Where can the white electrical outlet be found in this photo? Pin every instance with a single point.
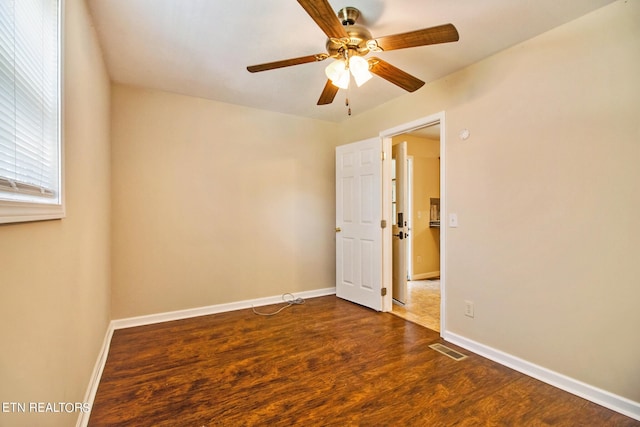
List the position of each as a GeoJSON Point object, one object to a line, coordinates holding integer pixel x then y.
{"type": "Point", "coordinates": [468, 308]}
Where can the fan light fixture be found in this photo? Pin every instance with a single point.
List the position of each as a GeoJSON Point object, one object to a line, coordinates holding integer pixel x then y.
{"type": "Point", "coordinates": [340, 71]}
{"type": "Point", "coordinates": [349, 43]}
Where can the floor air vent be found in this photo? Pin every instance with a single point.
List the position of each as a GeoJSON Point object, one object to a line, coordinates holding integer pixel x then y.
{"type": "Point", "coordinates": [448, 351]}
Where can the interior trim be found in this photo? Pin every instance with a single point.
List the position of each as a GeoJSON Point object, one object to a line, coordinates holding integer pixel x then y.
{"type": "Point", "coordinates": [83, 418]}
{"type": "Point", "coordinates": [212, 309]}
{"type": "Point", "coordinates": [586, 391]}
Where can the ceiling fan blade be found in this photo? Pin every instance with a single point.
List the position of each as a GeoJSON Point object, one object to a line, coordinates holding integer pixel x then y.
{"type": "Point", "coordinates": [324, 16]}
{"type": "Point", "coordinates": [328, 93]}
{"type": "Point", "coordinates": [394, 75]}
{"type": "Point", "coordinates": [287, 62]}
{"type": "Point", "coordinates": [434, 35]}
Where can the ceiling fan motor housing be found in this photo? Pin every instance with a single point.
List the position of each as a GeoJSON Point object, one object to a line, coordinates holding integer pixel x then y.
{"type": "Point", "coordinates": [356, 44]}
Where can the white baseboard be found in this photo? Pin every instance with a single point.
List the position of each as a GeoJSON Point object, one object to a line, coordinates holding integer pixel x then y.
{"type": "Point", "coordinates": [90, 395]}
{"type": "Point", "coordinates": [212, 309]}
{"type": "Point", "coordinates": [425, 276]}
{"type": "Point", "coordinates": [596, 395]}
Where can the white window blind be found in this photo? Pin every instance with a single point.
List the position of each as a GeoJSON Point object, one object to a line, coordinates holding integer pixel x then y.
{"type": "Point", "coordinates": [29, 102]}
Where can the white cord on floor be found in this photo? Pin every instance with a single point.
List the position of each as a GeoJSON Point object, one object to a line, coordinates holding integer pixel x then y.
{"type": "Point", "coordinates": [289, 302]}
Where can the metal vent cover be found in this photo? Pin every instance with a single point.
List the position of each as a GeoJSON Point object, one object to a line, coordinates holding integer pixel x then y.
{"type": "Point", "coordinates": [455, 355]}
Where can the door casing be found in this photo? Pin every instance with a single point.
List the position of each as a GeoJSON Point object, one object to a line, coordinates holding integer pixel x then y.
{"type": "Point", "coordinates": [387, 253]}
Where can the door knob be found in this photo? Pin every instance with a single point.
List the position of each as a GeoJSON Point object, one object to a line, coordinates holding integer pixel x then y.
{"type": "Point", "coordinates": [338, 229]}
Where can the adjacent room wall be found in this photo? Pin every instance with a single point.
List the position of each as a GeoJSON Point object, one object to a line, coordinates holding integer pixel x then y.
{"type": "Point", "coordinates": [426, 184]}
{"type": "Point", "coordinates": [55, 275]}
{"type": "Point", "coordinates": [546, 192]}
{"type": "Point", "coordinates": [216, 203]}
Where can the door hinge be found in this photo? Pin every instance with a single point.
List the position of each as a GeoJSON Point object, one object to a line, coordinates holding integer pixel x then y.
{"type": "Point", "coordinates": [383, 291]}
{"type": "Point", "coordinates": [383, 156]}
{"type": "Point", "coordinates": [383, 223]}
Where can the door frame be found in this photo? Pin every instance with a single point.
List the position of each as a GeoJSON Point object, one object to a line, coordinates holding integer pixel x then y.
{"type": "Point", "coordinates": [387, 254]}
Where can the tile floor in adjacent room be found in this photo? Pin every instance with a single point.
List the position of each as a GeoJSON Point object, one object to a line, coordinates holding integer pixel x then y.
{"type": "Point", "coordinates": [422, 305]}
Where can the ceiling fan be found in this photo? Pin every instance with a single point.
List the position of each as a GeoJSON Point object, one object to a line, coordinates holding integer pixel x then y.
{"type": "Point", "coordinates": [349, 43]}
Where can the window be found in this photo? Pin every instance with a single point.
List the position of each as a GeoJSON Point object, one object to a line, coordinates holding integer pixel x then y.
{"type": "Point", "coordinates": [30, 142]}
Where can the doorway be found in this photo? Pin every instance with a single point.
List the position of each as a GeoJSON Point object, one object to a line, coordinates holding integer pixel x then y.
{"type": "Point", "coordinates": [422, 299]}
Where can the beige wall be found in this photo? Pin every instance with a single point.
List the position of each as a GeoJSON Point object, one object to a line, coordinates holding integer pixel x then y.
{"type": "Point", "coordinates": [426, 184]}
{"type": "Point", "coordinates": [546, 192]}
{"type": "Point", "coordinates": [216, 203]}
{"type": "Point", "coordinates": [55, 275]}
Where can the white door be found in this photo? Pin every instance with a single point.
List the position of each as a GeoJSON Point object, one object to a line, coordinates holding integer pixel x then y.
{"type": "Point", "coordinates": [400, 223]}
{"type": "Point", "coordinates": [358, 222]}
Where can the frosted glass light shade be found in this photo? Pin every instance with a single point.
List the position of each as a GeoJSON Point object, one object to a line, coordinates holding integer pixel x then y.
{"type": "Point", "coordinates": [360, 69]}
{"type": "Point", "coordinates": [338, 74]}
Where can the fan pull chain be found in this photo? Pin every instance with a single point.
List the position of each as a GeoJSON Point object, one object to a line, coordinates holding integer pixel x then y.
{"type": "Point", "coordinates": [346, 101]}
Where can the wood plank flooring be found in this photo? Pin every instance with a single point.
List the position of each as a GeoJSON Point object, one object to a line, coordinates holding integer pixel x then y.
{"type": "Point", "coordinates": [327, 362]}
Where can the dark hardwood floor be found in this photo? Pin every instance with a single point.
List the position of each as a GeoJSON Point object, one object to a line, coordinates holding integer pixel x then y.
{"type": "Point", "coordinates": [323, 363]}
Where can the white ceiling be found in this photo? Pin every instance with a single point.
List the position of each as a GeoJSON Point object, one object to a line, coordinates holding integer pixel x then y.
{"type": "Point", "coordinates": [201, 48]}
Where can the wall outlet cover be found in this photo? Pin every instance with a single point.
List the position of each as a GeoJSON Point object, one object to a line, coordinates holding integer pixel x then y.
{"type": "Point", "coordinates": [468, 308]}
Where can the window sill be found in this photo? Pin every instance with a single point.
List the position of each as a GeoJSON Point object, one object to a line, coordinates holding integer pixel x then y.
{"type": "Point", "coordinates": [14, 212]}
